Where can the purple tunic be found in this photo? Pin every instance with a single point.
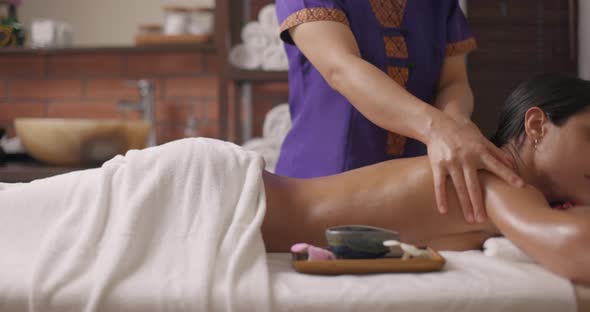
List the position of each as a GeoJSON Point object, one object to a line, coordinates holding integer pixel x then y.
{"type": "Point", "coordinates": [408, 40]}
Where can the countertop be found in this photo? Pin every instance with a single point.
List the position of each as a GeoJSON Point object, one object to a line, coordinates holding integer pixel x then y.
{"type": "Point", "coordinates": [201, 47]}
{"type": "Point", "coordinates": [27, 171]}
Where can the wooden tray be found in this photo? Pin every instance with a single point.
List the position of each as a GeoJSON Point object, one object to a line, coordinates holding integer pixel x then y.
{"type": "Point", "coordinates": [370, 266]}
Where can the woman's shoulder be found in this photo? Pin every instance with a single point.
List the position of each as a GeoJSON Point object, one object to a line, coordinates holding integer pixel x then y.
{"type": "Point", "coordinates": [501, 195]}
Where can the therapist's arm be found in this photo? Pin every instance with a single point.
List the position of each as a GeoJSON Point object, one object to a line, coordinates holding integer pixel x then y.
{"type": "Point", "coordinates": [455, 149]}
{"type": "Point", "coordinates": [455, 98]}
{"type": "Point", "coordinates": [454, 95]}
{"type": "Point", "coordinates": [332, 49]}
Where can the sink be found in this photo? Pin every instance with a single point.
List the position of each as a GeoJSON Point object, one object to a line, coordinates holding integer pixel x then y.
{"type": "Point", "coordinates": [75, 142]}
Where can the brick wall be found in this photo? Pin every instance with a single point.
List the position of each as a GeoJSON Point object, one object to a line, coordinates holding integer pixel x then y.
{"type": "Point", "coordinates": [89, 85]}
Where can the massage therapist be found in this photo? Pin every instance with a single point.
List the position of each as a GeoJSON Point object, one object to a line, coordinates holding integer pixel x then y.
{"type": "Point", "coordinates": [373, 80]}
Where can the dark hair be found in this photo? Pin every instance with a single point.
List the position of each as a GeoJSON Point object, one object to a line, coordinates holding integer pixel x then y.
{"type": "Point", "coordinates": [558, 96]}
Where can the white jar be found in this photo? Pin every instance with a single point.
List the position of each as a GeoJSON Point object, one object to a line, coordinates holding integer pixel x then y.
{"type": "Point", "coordinates": [201, 21]}
{"type": "Point", "coordinates": [178, 20]}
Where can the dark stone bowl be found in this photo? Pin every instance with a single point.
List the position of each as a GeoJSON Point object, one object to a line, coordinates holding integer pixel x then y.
{"type": "Point", "coordinates": [359, 241]}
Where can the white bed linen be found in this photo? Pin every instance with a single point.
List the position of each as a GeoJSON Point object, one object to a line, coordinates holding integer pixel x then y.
{"type": "Point", "coordinates": [469, 282]}
{"type": "Point", "coordinates": [101, 240]}
{"type": "Point", "coordinates": [170, 228]}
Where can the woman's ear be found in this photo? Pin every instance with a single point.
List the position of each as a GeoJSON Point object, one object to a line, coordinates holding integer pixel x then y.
{"type": "Point", "coordinates": [535, 121]}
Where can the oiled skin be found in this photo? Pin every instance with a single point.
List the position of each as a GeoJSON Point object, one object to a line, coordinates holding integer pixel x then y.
{"type": "Point", "coordinates": [399, 195]}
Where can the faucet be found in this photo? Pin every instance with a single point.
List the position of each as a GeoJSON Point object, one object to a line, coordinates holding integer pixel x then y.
{"type": "Point", "coordinates": [145, 105]}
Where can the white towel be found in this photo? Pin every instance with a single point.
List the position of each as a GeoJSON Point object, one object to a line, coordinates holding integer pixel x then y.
{"type": "Point", "coordinates": [268, 149]}
{"type": "Point", "coordinates": [469, 282]}
{"type": "Point", "coordinates": [274, 58]}
{"type": "Point", "coordinates": [267, 16]}
{"type": "Point", "coordinates": [170, 228]}
{"type": "Point", "coordinates": [256, 36]}
{"type": "Point", "coordinates": [245, 57]}
{"type": "Point", "coordinates": [502, 248]}
{"type": "Point", "coordinates": [277, 123]}
{"type": "Point", "coordinates": [261, 41]}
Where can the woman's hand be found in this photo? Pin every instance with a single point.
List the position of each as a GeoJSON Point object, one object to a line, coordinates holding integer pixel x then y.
{"type": "Point", "coordinates": [457, 149]}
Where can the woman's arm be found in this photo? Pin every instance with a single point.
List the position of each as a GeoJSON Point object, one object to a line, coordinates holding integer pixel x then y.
{"type": "Point", "coordinates": [332, 49]}
{"type": "Point", "coordinates": [455, 149]}
{"type": "Point", "coordinates": [454, 93]}
{"type": "Point", "coordinates": [558, 240]}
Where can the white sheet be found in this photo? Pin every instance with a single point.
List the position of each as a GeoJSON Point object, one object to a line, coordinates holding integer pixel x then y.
{"type": "Point", "coordinates": [171, 228]}
{"type": "Point", "coordinates": [502, 248]}
{"type": "Point", "coordinates": [469, 282]}
{"type": "Point", "coordinates": [176, 228]}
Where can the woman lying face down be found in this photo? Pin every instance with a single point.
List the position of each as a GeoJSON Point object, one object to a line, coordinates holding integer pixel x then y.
{"type": "Point", "coordinates": [545, 126]}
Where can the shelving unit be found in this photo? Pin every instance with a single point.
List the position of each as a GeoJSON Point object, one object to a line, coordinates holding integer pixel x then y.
{"type": "Point", "coordinates": [230, 18]}
{"type": "Point", "coordinates": [207, 47]}
{"type": "Point", "coordinates": [237, 74]}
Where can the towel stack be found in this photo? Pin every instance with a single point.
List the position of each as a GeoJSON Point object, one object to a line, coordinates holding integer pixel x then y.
{"type": "Point", "coordinates": [277, 124]}
{"type": "Point", "coordinates": [261, 47]}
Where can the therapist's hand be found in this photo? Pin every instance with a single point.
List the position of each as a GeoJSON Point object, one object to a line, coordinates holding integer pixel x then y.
{"type": "Point", "coordinates": [458, 149]}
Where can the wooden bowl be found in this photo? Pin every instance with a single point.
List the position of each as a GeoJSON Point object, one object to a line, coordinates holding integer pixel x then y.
{"type": "Point", "coordinates": [75, 142]}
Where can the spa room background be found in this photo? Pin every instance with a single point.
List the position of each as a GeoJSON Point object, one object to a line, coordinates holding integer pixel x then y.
{"type": "Point", "coordinates": [197, 88]}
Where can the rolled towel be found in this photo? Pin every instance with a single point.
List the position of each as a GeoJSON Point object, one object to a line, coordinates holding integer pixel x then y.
{"type": "Point", "coordinates": [267, 16]}
{"type": "Point", "coordinates": [277, 124]}
{"type": "Point", "coordinates": [275, 39]}
{"type": "Point", "coordinates": [500, 247]}
{"type": "Point", "coordinates": [245, 57]}
{"type": "Point", "coordinates": [256, 36]}
{"type": "Point", "coordinates": [274, 58]}
{"type": "Point", "coordinates": [268, 149]}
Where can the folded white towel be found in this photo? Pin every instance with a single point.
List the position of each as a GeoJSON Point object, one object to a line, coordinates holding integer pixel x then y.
{"type": "Point", "coordinates": [277, 123]}
{"type": "Point", "coordinates": [245, 57]}
{"type": "Point", "coordinates": [274, 58]}
{"type": "Point", "coordinates": [267, 16]}
{"type": "Point", "coordinates": [256, 36]}
{"type": "Point", "coordinates": [500, 247]}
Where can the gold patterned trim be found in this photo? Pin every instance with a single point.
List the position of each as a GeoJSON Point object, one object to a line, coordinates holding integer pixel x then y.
{"type": "Point", "coordinates": [396, 47]}
{"type": "Point", "coordinates": [314, 15]}
{"type": "Point", "coordinates": [389, 13]}
{"type": "Point", "coordinates": [399, 74]}
{"type": "Point", "coordinates": [396, 143]}
{"type": "Point", "coordinates": [461, 47]}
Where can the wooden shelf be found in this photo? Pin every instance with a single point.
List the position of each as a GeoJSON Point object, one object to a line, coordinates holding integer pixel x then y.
{"type": "Point", "coordinates": [160, 39]}
{"type": "Point", "coordinates": [230, 17]}
{"type": "Point", "coordinates": [242, 75]}
{"type": "Point", "coordinates": [208, 47]}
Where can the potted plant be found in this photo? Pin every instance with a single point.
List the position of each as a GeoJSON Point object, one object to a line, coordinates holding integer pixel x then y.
{"type": "Point", "coordinates": [12, 33]}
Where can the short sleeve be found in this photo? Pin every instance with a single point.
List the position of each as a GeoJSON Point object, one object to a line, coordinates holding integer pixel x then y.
{"type": "Point", "coordinates": [291, 13]}
{"type": "Point", "coordinates": [460, 40]}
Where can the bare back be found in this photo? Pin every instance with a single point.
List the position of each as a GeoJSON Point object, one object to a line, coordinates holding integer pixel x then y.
{"type": "Point", "coordinates": [397, 195]}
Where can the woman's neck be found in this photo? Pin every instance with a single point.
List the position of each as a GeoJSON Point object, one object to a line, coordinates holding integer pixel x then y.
{"type": "Point", "coordinates": [524, 165]}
